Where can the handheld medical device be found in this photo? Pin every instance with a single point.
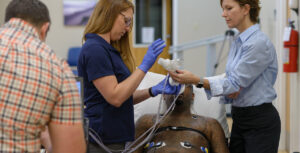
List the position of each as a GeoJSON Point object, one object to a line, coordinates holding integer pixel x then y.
{"type": "Point", "coordinates": [169, 65]}
{"type": "Point", "coordinates": [172, 66]}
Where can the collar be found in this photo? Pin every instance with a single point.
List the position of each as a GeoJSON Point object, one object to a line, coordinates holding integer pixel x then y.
{"type": "Point", "coordinates": [23, 26]}
{"type": "Point", "coordinates": [248, 32]}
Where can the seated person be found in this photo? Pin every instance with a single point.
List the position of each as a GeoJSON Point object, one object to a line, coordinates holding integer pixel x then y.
{"type": "Point", "coordinates": [181, 131]}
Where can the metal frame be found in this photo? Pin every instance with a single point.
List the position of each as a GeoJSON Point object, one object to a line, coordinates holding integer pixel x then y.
{"type": "Point", "coordinates": [178, 50]}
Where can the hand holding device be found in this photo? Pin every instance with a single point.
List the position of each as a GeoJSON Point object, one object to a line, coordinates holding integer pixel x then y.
{"type": "Point", "coordinates": [170, 65]}
{"type": "Point", "coordinates": [168, 89]}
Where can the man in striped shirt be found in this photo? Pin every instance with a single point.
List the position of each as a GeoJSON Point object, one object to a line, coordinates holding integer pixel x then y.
{"type": "Point", "coordinates": [37, 89]}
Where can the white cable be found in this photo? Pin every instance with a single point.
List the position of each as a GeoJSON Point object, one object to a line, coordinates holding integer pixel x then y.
{"type": "Point", "coordinates": [152, 129]}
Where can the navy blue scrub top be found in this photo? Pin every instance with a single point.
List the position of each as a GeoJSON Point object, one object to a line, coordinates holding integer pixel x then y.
{"type": "Point", "coordinates": [98, 59]}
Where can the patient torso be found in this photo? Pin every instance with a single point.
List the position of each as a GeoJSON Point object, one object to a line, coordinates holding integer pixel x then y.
{"type": "Point", "coordinates": [189, 135]}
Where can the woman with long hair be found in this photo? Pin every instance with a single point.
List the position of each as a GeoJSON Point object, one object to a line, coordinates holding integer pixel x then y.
{"type": "Point", "coordinates": [110, 76]}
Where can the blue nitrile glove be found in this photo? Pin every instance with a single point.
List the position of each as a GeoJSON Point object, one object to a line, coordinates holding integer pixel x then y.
{"type": "Point", "coordinates": [169, 89]}
{"type": "Point", "coordinates": [153, 51]}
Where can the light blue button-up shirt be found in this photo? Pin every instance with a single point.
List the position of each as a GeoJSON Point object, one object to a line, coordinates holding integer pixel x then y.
{"type": "Point", "coordinates": [251, 68]}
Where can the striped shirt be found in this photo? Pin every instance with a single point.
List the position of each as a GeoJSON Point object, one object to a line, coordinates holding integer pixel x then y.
{"type": "Point", "coordinates": [36, 88]}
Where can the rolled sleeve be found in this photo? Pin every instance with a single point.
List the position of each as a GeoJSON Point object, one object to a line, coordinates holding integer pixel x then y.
{"type": "Point", "coordinates": [216, 86]}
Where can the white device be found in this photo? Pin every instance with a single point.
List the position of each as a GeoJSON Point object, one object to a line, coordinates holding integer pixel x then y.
{"type": "Point", "coordinates": [172, 66]}
{"type": "Point", "coordinates": [169, 65]}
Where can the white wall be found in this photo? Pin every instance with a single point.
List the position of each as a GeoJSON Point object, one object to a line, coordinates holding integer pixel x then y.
{"type": "Point", "coordinates": [268, 18]}
{"type": "Point", "coordinates": [3, 4]}
{"type": "Point", "coordinates": [198, 20]}
{"type": "Point", "coordinates": [202, 19]}
{"type": "Point", "coordinates": [60, 37]}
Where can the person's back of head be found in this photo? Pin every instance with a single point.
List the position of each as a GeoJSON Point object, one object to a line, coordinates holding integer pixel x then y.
{"type": "Point", "coordinates": [33, 11]}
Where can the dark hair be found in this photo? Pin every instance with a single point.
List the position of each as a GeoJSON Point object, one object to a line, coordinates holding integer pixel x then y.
{"type": "Point", "coordinates": [32, 11]}
{"type": "Point", "coordinates": [254, 8]}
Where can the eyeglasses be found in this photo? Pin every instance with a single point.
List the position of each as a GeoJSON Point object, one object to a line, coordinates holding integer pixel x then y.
{"type": "Point", "coordinates": [127, 20]}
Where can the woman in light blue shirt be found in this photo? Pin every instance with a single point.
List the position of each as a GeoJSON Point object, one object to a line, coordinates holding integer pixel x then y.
{"type": "Point", "coordinates": [251, 72]}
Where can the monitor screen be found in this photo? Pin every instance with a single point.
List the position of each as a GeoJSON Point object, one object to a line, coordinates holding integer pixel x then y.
{"type": "Point", "coordinates": [79, 83]}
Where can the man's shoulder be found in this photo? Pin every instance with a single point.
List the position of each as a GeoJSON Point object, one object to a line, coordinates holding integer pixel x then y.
{"type": "Point", "coordinates": [47, 54]}
{"type": "Point", "coordinates": [146, 120]}
{"type": "Point", "coordinates": [27, 43]}
{"type": "Point", "coordinates": [206, 121]}
{"type": "Point", "coordinates": [204, 118]}
{"type": "Point", "coordinates": [146, 117]}
{"type": "Point", "coordinates": [46, 51]}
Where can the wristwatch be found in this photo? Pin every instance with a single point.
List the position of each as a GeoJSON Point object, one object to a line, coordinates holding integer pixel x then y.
{"type": "Point", "coordinates": [200, 83]}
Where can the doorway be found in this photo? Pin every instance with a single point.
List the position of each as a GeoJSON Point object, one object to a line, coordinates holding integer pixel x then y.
{"type": "Point", "coordinates": [153, 20]}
